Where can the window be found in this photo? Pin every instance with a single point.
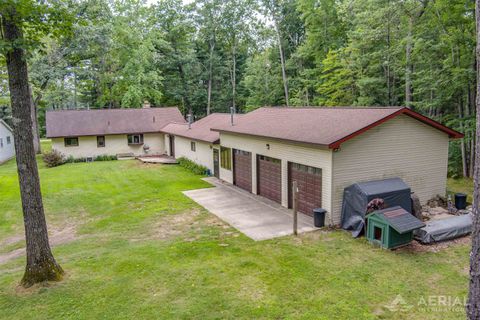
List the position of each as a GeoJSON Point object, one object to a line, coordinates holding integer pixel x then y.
{"type": "Point", "coordinates": [9, 140]}
{"type": "Point", "coordinates": [306, 169]}
{"type": "Point", "coordinates": [226, 158]}
{"type": "Point", "coordinates": [135, 139]}
{"type": "Point", "coordinates": [100, 141]}
{"type": "Point", "coordinates": [1, 143]}
{"type": "Point", "coordinates": [265, 158]}
{"type": "Point", "coordinates": [71, 142]}
{"type": "Point", "coordinates": [193, 147]}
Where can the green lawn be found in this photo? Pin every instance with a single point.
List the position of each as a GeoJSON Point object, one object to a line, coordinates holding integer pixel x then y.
{"type": "Point", "coordinates": [145, 251]}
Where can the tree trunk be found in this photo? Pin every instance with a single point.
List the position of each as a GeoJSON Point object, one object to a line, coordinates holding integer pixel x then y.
{"type": "Point", "coordinates": [210, 76]}
{"type": "Point", "coordinates": [408, 66]}
{"type": "Point", "coordinates": [473, 304]}
{"type": "Point", "coordinates": [282, 60]}
{"type": "Point", "coordinates": [35, 128]}
{"type": "Point", "coordinates": [41, 265]}
{"type": "Point", "coordinates": [234, 75]}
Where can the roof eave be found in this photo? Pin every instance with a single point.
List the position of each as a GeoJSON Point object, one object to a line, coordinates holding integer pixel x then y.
{"type": "Point", "coordinates": [6, 125]}
{"type": "Point", "coordinates": [271, 138]}
{"type": "Point", "coordinates": [192, 138]}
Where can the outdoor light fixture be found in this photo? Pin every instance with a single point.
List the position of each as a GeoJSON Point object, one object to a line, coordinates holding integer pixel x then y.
{"type": "Point", "coordinates": [268, 146]}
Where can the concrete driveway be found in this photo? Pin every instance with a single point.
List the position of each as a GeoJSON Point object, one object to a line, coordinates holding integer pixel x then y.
{"type": "Point", "coordinates": [254, 216]}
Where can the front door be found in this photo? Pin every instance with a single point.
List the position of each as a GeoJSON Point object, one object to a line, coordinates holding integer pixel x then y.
{"type": "Point", "coordinates": [172, 145]}
{"type": "Point", "coordinates": [216, 163]}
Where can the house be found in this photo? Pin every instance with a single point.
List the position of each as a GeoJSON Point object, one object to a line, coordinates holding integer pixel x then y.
{"type": "Point", "coordinates": [328, 149]}
{"type": "Point", "coordinates": [90, 133]}
{"type": "Point", "coordinates": [196, 141]}
{"type": "Point", "coordinates": [264, 151]}
{"type": "Point", "coordinates": [7, 148]}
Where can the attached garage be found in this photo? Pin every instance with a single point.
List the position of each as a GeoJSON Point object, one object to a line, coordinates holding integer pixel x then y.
{"type": "Point", "coordinates": [269, 178]}
{"type": "Point", "coordinates": [328, 149]}
{"type": "Point", "coordinates": [309, 183]}
{"type": "Point", "coordinates": [242, 169]}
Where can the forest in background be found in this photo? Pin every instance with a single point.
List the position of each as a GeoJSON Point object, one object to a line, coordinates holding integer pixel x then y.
{"type": "Point", "coordinates": [212, 55]}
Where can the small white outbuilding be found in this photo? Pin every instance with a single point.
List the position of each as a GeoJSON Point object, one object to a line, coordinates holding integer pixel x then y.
{"type": "Point", "coordinates": [7, 148]}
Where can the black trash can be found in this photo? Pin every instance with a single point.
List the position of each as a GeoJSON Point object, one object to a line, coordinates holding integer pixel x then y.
{"type": "Point", "coordinates": [319, 217]}
{"type": "Point", "coordinates": [460, 201]}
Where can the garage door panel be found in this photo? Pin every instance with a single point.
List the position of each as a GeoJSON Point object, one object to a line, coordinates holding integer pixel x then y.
{"type": "Point", "coordinates": [269, 178]}
{"type": "Point", "coordinates": [242, 169]}
{"type": "Point", "coordinates": [309, 182]}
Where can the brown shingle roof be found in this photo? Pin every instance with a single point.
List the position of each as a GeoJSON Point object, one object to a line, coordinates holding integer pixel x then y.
{"type": "Point", "coordinates": [67, 123]}
{"type": "Point", "coordinates": [200, 130]}
{"type": "Point", "coordinates": [321, 126]}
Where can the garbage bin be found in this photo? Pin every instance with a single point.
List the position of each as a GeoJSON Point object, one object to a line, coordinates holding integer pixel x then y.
{"type": "Point", "coordinates": [460, 201]}
{"type": "Point", "coordinates": [319, 217]}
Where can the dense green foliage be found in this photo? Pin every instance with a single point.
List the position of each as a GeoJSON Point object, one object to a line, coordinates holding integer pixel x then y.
{"type": "Point", "coordinates": [136, 247]}
{"type": "Point", "coordinates": [211, 55]}
{"type": "Point", "coordinates": [192, 166]}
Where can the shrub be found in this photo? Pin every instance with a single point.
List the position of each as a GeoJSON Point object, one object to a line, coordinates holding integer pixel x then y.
{"type": "Point", "coordinates": [71, 159]}
{"type": "Point", "coordinates": [105, 157]}
{"type": "Point", "coordinates": [192, 166]}
{"type": "Point", "coordinates": [53, 159]}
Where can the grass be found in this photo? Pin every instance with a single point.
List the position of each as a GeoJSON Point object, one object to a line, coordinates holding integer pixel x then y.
{"type": "Point", "coordinates": [143, 250]}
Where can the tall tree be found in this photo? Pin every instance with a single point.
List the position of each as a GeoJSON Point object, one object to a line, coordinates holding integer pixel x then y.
{"type": "Point", "coordinates": [273, 9]}
{"type": "Point", "coordinates": [41, 265]}
{"type": "Point", "coordinates": [473, 305]}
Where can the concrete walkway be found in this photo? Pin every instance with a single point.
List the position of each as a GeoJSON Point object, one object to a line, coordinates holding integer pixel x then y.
{"type": "Point", "coordinates": [255, 216]}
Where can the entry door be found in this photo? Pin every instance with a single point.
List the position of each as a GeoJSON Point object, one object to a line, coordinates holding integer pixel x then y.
{"type": "Point", "coordinates": [269, 178]}
{"type": "Point", "coordinates": [309, 184]}
{"type": "Point", "coordinates": [216, 163]}
{"type": "Point", "coordinates": [242, 169]}
{"type": "Point", "coordinates": [172, 145]}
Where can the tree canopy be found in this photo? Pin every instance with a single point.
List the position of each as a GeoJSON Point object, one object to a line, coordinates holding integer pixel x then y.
{"type": "Point", "coordinates": [210, 55]}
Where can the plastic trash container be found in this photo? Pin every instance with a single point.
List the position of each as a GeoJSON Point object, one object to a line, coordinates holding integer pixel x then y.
{"type": "Point", "coordinates": [460, 201]}
{"type": "Point", "coordinates": [319, 217]}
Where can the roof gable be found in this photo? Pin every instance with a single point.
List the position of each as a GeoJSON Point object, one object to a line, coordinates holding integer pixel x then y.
{"type": "Point", "coordinates": [109, 121]}
{"type": "Point", "coordinates": [324, 126]}
{"type": "Point", "coordinates": [399, 219]}
{"type": "Point", "coordinates": [6, 125]}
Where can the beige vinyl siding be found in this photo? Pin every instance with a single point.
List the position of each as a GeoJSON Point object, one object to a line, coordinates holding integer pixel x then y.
{"type": "Point", "coordinates": [402, 147]}
{"type": "Point", "coordinates": [316, 157]}
{"type": "Point", "coordinates": [202, 156]}
{"type": "Point", "coordinates": [114, 144]}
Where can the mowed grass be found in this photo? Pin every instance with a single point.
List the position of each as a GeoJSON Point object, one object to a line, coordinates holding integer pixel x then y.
{"type": "Point", "coordinates": [143, 250]}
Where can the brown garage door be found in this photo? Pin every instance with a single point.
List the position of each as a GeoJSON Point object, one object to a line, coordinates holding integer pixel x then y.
{"type": "Point", "coordinates": [309, 181]}
{"type": "Point", "coordinates": [242, 169]}
{"type": "Point", "coordinates": [269, 178]}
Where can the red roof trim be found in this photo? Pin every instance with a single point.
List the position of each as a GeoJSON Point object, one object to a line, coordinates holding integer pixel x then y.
{"type": "Point", "coordinates": [452, 133]}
